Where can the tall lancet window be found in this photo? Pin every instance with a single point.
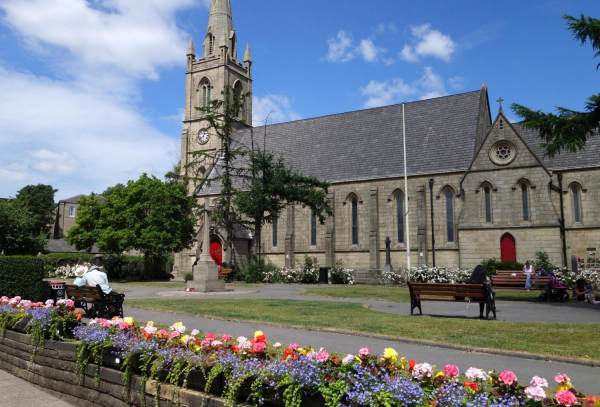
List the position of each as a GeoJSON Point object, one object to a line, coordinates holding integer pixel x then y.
{"type": "Point", "coordinates": [576, 204]}
{"type": "Point", "coordinates": [313, 228]}
{"type": "Point", "coordinates": [525, 199]}
{"type": "Point", "coordinates": [205, 88]}
{"type": "Point", "coordinates": [354, 220]}
{"type": "Point", "coordinates": [488, 205]}
{"type": "Point", "coordinates": [400, 217]}
{"type": "Point", "coordinates": [275, 232]}
{"type": "Point", "coordinates": [450, 216]}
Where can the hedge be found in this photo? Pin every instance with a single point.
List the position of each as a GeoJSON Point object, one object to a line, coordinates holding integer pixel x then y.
{"type": "Point", "coordinates": [23, 276]}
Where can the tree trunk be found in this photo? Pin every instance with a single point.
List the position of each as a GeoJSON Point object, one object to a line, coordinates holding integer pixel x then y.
{"type": "Point", "coordinates": [257, 236]}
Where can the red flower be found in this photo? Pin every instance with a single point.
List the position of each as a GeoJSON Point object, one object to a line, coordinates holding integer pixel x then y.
{"type": "Point", "coordinates": [288, 353]}
{"type": "Point", "coordinates": [412, 364]}
{"type": "Point", "coordinates": [235, 348]}
{"type": "Point", "coordinates": [472, 386]}
{"type": "Point", "coordinates": [261, 338]}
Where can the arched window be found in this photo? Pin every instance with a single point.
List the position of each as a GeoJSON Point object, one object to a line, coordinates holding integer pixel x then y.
{"type": "Point", "coordinates": [354, 220]}
{"type": "Point", "coordinates": [576, 203]}
{"type": "Point", "coordinates": [450, 216]}
{"type": "Point", "coordinates": [238, 90]}
{"type": "Point", "coordinates": [71, 211]}
{"type": "Point", "coordinates": [275, 232]}
{"type": "Point", "coordinates": [205, 89]}
{"type": "Point", "coordinates": [400, 217]}
{"type": "Point", "coordinates": [488, 204]}
{"type": "Point", "coordinates": [313, 228]}
{"type": "Point", "coordinates": [525, 199]}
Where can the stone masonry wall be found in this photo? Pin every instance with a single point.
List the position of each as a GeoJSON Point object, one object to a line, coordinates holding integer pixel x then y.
{"type": "Point", "coordinates": [53, 370]}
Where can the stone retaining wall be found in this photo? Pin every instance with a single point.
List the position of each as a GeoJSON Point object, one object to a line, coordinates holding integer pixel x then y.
{"type": "Point", "coordinates": [53, 369]}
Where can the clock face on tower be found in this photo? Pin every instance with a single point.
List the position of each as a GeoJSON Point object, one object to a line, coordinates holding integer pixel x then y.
{"type": "Point", "coordinates": [203, 137]}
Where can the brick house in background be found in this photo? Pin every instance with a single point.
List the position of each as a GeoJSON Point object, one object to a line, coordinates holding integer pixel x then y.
{"type": "Point", "coordinates": [66, 212]}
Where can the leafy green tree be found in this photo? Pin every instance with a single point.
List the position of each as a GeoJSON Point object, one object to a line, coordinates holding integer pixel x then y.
{"type": "Point", "coordinates": [568, 129]}
{"type": "Point", "coordinates": [148, 215]}
{"type": "Point", "coordinates": [273, 187]}
{"type": "Point", "coordinates": [38, 201]}
{"type": "Point", "coordinates": [18, 227]}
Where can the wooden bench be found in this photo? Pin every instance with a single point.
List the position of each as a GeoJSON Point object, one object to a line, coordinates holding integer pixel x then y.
{"type": "Point", "coordinates": [94, 301]}
{"type": "Point", "coordinates": [226, 274]}
{"type": "Point", "coordinates": [515, 280]}
{"type": "Point", "coordinates": [476, 293]}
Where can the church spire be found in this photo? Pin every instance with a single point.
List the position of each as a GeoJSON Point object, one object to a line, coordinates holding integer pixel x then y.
{"type": "Point", "coordinates": [247, 56]}
{"type": "Point", "coordinates": [220, 26]}
{"type": "Point", "coordinates": [191, 50]}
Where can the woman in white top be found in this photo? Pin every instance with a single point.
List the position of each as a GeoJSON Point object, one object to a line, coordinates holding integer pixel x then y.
{"type": "Point", "coordinates": [528, 271]}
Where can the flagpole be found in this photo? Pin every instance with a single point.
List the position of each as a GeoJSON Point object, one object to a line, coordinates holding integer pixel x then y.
{"type": "Point", "coordinates": [407, 223]}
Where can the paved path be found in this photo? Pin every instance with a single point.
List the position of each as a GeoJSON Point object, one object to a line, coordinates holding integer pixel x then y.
{"type": "Point", "coordinates": [15, 392]}
{"type": "Point", "coordinates": [585, 378]}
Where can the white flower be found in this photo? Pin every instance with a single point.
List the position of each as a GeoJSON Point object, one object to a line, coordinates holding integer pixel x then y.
{"type": "Point", "coordinates": [242, 339]}
{"type": "Point", "coordinates": [539, 381]}
{"type": "Point", "coordinates": [195, 332]}
{"type": "Point", "coordinates": [277, 345]}
{"type": "Point", "coordinates": [535, 392]}
{"type": "Point", "coordinates": [348, 359]}
{"type": "Point", "coordinates": [150, 330]}
{"type": "Point", "coordinates": [475, 374]}
{"type": "Point", "coordinates": [422, 370]}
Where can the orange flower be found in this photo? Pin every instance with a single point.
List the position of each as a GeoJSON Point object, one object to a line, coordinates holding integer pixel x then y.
{"type": "Point", "coordinates": [472, 386]}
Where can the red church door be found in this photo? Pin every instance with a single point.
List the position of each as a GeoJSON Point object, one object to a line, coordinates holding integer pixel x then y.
{"type": "Point", "coordinates": [216, 252]}
{"type": "Point", "coordinates": [508, 248]}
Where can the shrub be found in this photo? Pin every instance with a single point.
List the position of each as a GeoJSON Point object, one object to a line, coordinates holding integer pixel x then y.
{"type": "Point", "coordinates": [423, 274]}
{"type": "Point", "coordinates": [188, 277]}
{"type": "Point", "coordinates": [340, 275]}
{"type": "Point", "coordinates": [490, 266]}
{"type": "Point", "coordinates": [23, 276]}
{"type": "Point", "coordinates": [256, 269]}
{"type": "Point", "coordinates": [510, 265]}
{"type": "Point", "coordinates": [542, 262]}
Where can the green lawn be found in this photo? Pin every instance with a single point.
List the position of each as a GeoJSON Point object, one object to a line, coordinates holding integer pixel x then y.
{"type": "Point", "coordinates": [565, 340]}
{"type": "Point", "coordinates": [116, 284]}
{"type": "Point", "coordinates": [399, 294]}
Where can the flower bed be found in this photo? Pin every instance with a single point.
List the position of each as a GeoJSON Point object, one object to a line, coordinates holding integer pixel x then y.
{"type": "Point", "coordinates": [250, 370]}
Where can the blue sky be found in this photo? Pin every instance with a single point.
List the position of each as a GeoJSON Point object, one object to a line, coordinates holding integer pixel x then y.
{"type": "Point", "coordinates": [91, 92]}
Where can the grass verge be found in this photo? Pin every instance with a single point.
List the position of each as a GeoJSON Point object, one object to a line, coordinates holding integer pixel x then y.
{"type": "Point", "coordinates": [400, 294]}
{"type": "Point", "coordinates": [562, 340]}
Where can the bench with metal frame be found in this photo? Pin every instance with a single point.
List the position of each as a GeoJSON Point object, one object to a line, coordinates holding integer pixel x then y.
{"type": "Point", "coordinates": [515, 280]}
{"type": "Point", "coordinates": [91, 298]}
{"type": "Point", "coordinates": [475, 293]}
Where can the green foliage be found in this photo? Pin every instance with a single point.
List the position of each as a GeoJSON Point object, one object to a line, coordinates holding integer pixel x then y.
{"type": "Point", "coordinates": [148, 215]}
{"type": "Point", "coordinates": [38, 201]}
{"type": "Point", "coordinates": [542, 262]}
{"type": "Point", "coordinates": [22, 276]}
{"type": "Point", "coordinates": [340, 275]}
{"type": "Point", "coordinates": [490, 266]}
{"type": "Point", "coordinates": [568, 129]}
{"type": "Point", "coordinates": [188, 277]}
{"type": "Point", "coordinates": [19, 233]}
{"type": "Point", "coordinates": [256, 269]}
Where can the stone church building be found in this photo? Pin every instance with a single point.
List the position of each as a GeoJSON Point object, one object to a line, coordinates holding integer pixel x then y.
{"type": "Point", "coordinates": [478, 185]}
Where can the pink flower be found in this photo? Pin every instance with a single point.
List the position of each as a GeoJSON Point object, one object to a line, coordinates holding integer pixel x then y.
{"type": "Point", "coordinates": [226, 337]}
{"type": "Point", "coordinates": [535, 392]}
{"type": "Point", "coordinates": [507, 377]}
{"type": "Point", "coordinates": [294, 346]}
{"type": "Point", "coordinates": [151, 330]}
{"type": "Point", "coordinates": [422, 370]}
{"type": "Point", "coordinates": [561, 378]}
{"type": "Point", "coordinates": [451, 370]}
{"type": "Point", "coordinates": [211, 336]}
{"type": "Point", "coordinates": [566, 397]}
{"type": "Point", "coordinates": [364, 352]}
{"type": "Point", "coordinates": [205, 342]}
{"type": "Point", "coordinates": [539, 381]}
{"type": "Point", "coordinates": [322, 356]}
{"type": "Point", "coordinates": [348, 359]}
{"type": "Point", "coordinates": [259, 346]}
{"type": "Point", "coordinates": [216, 344]}
{"type": "Point", "coordinates": [70, 303]}
{"type": "Point", "coordinates": [194, 332]}
{"type": "Point", "coordinates": [106, 324]}
{"type": "Point", "coordinates": [162, 332]}
{"type": "Point", "coordinates": [175, 334]}
{"type": "Point", "coordinates": [123, 325]}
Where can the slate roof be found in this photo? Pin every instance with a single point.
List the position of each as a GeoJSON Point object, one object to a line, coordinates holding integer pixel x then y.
{"type": "Point", "coordinates": [590, 157]}
{"type": "Point", "coordinates": [367, 144]}
{"type": "Point", "coordinates": [73, 199]}
{"type": "Point", "coordinates": [61, 246]}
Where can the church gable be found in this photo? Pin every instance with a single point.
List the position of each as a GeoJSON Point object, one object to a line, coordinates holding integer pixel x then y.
{"type": "Point", "coordinates": [504, 148]}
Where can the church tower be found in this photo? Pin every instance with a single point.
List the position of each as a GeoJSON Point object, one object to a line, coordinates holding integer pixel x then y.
{"type": "Point", "coordinates": [206, 77]}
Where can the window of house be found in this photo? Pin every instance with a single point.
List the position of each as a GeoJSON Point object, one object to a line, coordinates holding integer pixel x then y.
{"type": "Point", "coordinates": [488, 205]}
{"type": "Point", "coordinates": [274, 232]}
{"type": "Point", "coordinates": [313, 228]}
{"type": "Point", "coordinates": [400, 217]}
{"type": "Point", "coordinates": [354, 220]}
{"type": "Point", "coordinates": [525, 199]}
{"type": "Point", "coordinates": [71, 212]}
{"type": "Point", "coordinates": [450, 216]}
{"type": "Point", "coordinates": [576, 204]}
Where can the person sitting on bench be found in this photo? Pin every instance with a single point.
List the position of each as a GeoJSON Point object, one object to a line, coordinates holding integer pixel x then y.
{"type": "Point", "coordinates": [94, 277]}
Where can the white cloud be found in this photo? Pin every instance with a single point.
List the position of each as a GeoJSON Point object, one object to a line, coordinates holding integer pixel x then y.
{"type": "Point", "coordinates": [429, 85]}
{"type": "Point", "coordinates": [430, 43]}
{"type": "Point", "coordinates": [369, 51]}
{"type": "Point", "coordinates": [55, 163]}
{"type": "Point", "coordinates": [340, 47]}
{"type": "Point", "coordinates": [272, 109]}
{"type": "Point", "coordinates": [382, 28]}
{"type": "Point", "coordinates": [137, 37]}
{"type": "Point", "coordinates": [456, 82]}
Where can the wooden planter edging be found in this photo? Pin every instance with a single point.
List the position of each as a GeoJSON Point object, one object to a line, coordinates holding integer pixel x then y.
{"type": "Point", "coordinates": [53, 369]}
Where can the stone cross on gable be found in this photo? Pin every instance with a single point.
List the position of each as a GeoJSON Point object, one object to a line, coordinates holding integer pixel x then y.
{"type": "Point", "coordinates": [500, 100]}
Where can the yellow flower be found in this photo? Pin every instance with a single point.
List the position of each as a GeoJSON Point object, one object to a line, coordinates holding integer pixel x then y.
{"type": "Point", "coordinates": [184, 338]}
{"type": "Point", "coordinates": [178, 324]}
{"type": "Point", "coordinates": [564, 386]}
{"type": "Point", "coordinates": [150, 323]}
{"type": "Point", "coordinates": [129, 320]}
{"type": "Point", "coordinates": [258, 333]}
{"type": "Point", "coordinates": [390, 354]}
{"type": "Point", "coordinates": [358, 360]}
{"type": "Point", "coordinates": [440, 374]}
{"type": "Point", "coordinates": [403, 362]}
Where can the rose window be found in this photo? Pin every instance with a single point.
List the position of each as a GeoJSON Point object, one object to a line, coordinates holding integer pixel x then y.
{"type": "Point", "coordinates": [503, 152]}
